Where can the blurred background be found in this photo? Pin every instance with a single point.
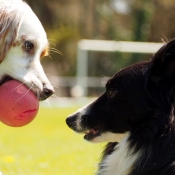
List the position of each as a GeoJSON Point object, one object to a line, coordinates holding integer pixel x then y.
{"type": "Point", "coordinates": [47, 146]}
{"type": "Point", "coordinates": [67, 22]}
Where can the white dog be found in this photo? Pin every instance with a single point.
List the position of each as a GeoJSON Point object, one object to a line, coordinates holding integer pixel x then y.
{"type": "Point", "coordinates": [23, 42]}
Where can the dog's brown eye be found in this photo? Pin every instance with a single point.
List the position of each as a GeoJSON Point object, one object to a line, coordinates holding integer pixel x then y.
{"type": "Point", "coordinates": [111, 92]}
{"type": "Point", "coordinates": [29, 46]}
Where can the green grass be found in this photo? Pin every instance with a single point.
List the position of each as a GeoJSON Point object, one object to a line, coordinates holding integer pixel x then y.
{"type": "Point", "coordinates": [47, 147]}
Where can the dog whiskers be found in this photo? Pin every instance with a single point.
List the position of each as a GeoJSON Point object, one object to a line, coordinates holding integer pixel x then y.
{"type": "Point", "coordinates": [54, 96]}
{"type": "Point", "coordinates": [37, 94]}
{"type": "Point", "coordinates": [76, 124]}
{"type": "Point", "coordinates": [79, 125]}
{"type": "Point", "coordinates": [24, 94]}
{"type": "Point", "coordinates": [18, 86]}
{"type": "Point", "coordinates": [48, 102]}
{"type": "Point", "coordinates": [55, 50]}
{"type": "Point", "coordinates": [52, 42]}
{"type": "Point", "coordinates": [49, 56]}
{"type": "Point", "coordinates": [54, 85]}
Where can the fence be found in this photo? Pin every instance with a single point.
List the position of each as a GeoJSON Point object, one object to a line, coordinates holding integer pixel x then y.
{"type": "Point", "coordinates": [84, 46]}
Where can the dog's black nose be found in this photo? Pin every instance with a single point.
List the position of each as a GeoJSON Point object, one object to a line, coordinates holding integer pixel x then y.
{"type": "Point", "coordinates": [46, 93]}
{"type": "Point", "coordinates": [70, 121]}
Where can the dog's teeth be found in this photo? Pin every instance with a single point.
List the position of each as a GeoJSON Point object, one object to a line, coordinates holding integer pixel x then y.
{"type": "Point", "coordinates": [87, 132]}
{"type": "Point", "coordinates": [92, 132]}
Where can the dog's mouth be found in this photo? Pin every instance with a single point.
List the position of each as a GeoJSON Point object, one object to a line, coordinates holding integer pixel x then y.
{"type": "Point", "coordinates": [92, 133]}
{"type": "Point", "coordinates": [5, 79]}
{"type": "Point", "coordinates": [8, 78]}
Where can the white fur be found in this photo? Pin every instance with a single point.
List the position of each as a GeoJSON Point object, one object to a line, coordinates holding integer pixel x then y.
{"type": "Point", "coordinates": [80, 113]}
{"type": "Point", "coordinates": [106, 137]}
{"type": "Point", "coordinates": [120, 162]}
{"type": "Point", "coordinates": [17, 63]}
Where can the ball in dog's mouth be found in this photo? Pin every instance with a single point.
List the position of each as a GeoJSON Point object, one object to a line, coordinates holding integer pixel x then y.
{"type": "Point", "coordinates": [18, 104]}
{"type": "Point", "coordinates": [91, 134]}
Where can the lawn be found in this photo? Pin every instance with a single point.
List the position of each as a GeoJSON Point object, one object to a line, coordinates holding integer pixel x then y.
{"type": "Point", "coordinates": [47, 147]}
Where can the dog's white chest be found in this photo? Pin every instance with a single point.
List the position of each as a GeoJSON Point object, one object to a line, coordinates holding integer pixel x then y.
{"type": "Point", "coordinates": [120, 162]}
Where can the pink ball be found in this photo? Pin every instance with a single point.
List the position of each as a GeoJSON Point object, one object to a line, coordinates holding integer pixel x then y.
{"type": "Point", "coordinates": [18, 105]}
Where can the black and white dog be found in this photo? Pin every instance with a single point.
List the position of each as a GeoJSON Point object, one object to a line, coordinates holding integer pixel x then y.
{"type": "Point", "coordinates": [139, 101]}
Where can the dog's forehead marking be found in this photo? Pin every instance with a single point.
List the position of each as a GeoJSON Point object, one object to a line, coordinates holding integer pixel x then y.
{"type": "Point", "coordinates": [17, 43]}
{"type": "Point", "coordinates": [23, 38]}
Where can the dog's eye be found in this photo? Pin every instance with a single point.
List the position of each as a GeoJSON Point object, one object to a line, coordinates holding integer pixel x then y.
{"type": "Point", "coordinates": [29, 46]}
{"type": "Point", "coordinates": [111, 93]}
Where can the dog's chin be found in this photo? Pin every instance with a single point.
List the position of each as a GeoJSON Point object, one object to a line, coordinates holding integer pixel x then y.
{"type": "Point", "coordinates": [97, 136]}
{"type": "Point", "coordinates": [91, 134]}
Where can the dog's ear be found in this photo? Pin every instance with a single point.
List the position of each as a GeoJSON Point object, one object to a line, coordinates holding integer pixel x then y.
{"type": "Point", "coordinates": [163, 63]}
{"type": "Point", "coordinates": [9, 24]}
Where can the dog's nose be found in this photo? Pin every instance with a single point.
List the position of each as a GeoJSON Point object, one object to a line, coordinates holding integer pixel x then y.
{"type": "Point", "coordinates": [70, 120]}
{"type": "Point", "coordinates": [46, 93]}
{"type": "Point", "coordinates": [74, 122]}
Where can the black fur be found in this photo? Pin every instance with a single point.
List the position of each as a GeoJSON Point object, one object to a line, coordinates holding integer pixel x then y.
{"type": "Point", "coordinates": [140, 100]}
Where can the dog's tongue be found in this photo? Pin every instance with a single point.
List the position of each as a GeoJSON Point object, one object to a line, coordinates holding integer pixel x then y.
{"type": "Point", "coordinates": [18, 104]}
{"type": "Point", "coordinates": [91, 134]}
